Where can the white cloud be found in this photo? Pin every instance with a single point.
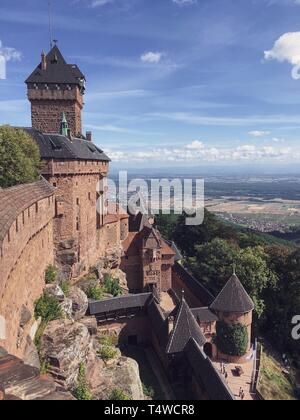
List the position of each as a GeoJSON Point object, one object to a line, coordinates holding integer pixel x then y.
{"type": "Point", "coordinates": [184, 2]}
{"type": "Point", "coordinates": [100, 3]}
{"type": "Point", "coordinates": [195, 145]}
{"type": "Point", "coordinates": [287, 48]}
{"type": "Point", "coordinates": [258, 133]}
{"type": "Point", "coordinates": [151, 57]}
{"type": "Point", "coordinates": [243, 153]}
{"type": "Point", "coordinates": [10, 54]}
{"type": "Point", "coordinates": [278, 140]}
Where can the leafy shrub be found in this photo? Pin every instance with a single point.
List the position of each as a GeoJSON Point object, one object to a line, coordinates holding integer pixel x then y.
{"type": "Point", "coordinates": [107, 352]}
{"type": "Point", "coordinates": [232, 339]}
{"type": "Point", "coordinates": [48, 308]}
{"type": "Point", "coordinates": [45, 367]}
{"type": "Point", "coordinates": [39, 334]}
{"type": "Point", "coordinates": [50, 274]}
{"type": "Point", "coordinates": [95, 292]}
{"type": "Point", "coordinates": [82, 391]}
{"type": "Point", "coordinates": [107, 340]}
{"type": "Point", "coordinates": [65, 287]}
{"type": "Point", "coordinates": [112, 286]}
{"type": "Point", "coordinates": [148, 391]}
{"type": "Point", "coordinates": [118, 394]}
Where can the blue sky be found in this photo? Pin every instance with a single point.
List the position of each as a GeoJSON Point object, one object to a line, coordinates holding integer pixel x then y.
{"type": "Point", "coordinates": [169, 82]}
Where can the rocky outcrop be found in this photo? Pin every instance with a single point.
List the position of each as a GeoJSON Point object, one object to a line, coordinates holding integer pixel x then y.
{"type": "Point", "coordinates": [31, 355]}
{"type": "Point", "coordinates": [80, 303]}
{"type": "Point", "coordinates": [91, 324]}
{"type": "Point", "coordinates": [56, 291]}
{"type": "Point", "coordinates": [111, 260]}
{"type": "Point", "coordinates": [25, 317]}
{"type": "Point", "coordinates": [19, 381]}
{"type": "Point", "coordinates": [65, 346]}
{"type": "Point", "coordinates": [67, 308]}
{"type": "Point", "coordinates": [121, 373]}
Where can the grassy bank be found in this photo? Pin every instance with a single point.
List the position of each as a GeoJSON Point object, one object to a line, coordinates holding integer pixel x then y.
{"type": "Point", "coordinates": [274, 383]}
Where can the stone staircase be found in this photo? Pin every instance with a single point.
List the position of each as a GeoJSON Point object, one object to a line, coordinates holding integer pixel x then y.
{"type": "Point", "coordinates": [22, 382]}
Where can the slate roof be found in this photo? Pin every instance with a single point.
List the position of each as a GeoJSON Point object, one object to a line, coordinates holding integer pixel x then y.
{"type": "Point", "coordinates": [206, 374]}
{"type": "Point", "coordinates": [185, 328]}
{"type": "Point", "coordinates": [178, 255]}
{"type": "Point", "coordinates": [138, 222]}
{"type": "Point", "coordinates": [56, 146]}
{"type": "Point", "coordinates": [233, 298]}
{"type": "Point", "coordinates": [159, 323]}
{"type": "Point", "coordinates": [204, 315]}
{"type": "Point", "coordinates": [194, 285]}
{"type": "Point", "coordinates": [119, 303]}
{"type": "Point", "coordinates": [17, 199]}
{"type": "Point", "coordinates": [57, 71]}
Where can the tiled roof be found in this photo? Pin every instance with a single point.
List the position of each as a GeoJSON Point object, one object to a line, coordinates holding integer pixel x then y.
{"type": "Point", "coordinates": [116, 304]}
{"type": "Point", "coordinates": [57, 71]}
{"type": "Point", "coordinates": [17, 199]}
{"type": "Point", "coordinates": [204, 315]}
{"type": "Point", "coordinates": [233, 298]}
{"type": "Point", "coordinates": [56, 146]}
{"type": "Point", "coordinates": [185, 328]}
{"type": "Point", "coordinates": [194, 285]}
{"type": "Point", "coordinates": [206, 374]}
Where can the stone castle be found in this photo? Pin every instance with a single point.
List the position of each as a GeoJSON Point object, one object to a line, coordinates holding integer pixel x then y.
{"type": "Point", "coordinates": [64, 219]}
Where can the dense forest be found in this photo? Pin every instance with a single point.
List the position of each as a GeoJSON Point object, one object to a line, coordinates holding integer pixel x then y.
{"type": "Point", "coordinates": [268, 268]}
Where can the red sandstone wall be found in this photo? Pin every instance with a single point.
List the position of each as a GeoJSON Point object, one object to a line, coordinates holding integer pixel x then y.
{"type": "Point", "coordinates": [138, 326]}
{"type": "Point", "coordinates": [178, 285]}
{"type": "Point", "coordinates": [79, 239]}
{"type": "Point", "coordinates": [25, 254]}
{"type": "Point", "coordinates": [47, 107]}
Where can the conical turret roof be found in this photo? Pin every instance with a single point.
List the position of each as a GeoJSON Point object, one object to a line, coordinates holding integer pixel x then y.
{"type": "Point", "coordinates": [233, 298]}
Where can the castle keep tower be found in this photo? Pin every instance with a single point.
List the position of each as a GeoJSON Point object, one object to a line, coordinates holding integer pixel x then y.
{"type": "Point", "coordinates": [54, 88]}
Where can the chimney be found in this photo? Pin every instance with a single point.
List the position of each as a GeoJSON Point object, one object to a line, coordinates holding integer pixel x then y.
{"type": "Point", "coordinates": [171, 324]}
{"type": "Point", "coordinates": [89, 136]}
{"type": "Point", "coordinates": [44, 61]}
{"type": "Point", "coordinates": [69, 135]}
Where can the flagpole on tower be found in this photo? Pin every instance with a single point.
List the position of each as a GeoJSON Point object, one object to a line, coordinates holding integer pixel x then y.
{"type": "Point", "coordinates": [50, 23]}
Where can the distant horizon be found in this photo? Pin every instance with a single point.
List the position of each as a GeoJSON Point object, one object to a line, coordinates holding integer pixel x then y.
{"type": "Point", "coordinates": [210, 170]}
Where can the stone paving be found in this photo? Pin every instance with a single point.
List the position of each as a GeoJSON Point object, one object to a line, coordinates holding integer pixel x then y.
{"type": "Point", "coordinates": [235, 382]}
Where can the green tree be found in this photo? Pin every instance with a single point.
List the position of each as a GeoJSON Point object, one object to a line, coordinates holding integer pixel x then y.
{"type": "Point", "coordinates": [189, 237]}
{"type": "Point", "coordinates": [19, 157]}
{"type": "Point", "coordinates": [213, 263]}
